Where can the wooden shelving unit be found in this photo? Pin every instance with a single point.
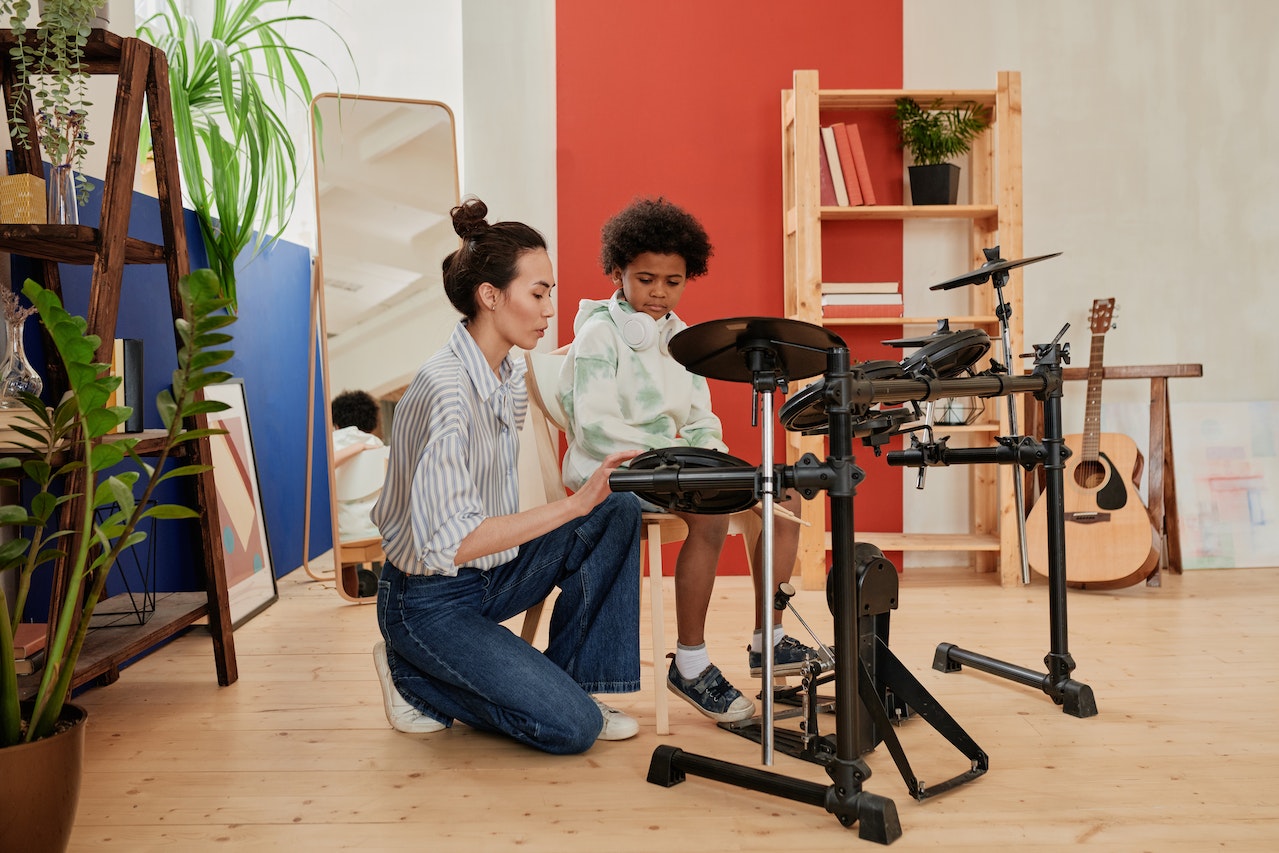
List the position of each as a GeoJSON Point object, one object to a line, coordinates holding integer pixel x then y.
{"type": "Point", "coordinates": [993, 211]}
{"type": "Point", "coordinates": [142, 73]}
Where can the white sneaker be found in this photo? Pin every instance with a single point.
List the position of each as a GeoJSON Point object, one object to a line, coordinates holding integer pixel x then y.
{"type": "Point", "coordinates": [617, 725]}
{"type": "Point", "coordinates": [402, 716]}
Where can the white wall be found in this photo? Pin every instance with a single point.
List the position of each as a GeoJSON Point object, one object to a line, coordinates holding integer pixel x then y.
{"type": "Point", "coordinates": [419, 56]}
{"type": "Point", "coordinates": [1148, 139]}
{"type": "Point", "coordinates": [509, 90]}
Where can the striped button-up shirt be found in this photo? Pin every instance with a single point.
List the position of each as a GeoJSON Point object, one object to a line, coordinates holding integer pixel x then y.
{"type": "Point", "coordinates": [454, 458]}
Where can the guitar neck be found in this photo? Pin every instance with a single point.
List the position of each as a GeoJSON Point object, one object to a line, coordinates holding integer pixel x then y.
{"type": "Point", "coordinates": [1092, 410]}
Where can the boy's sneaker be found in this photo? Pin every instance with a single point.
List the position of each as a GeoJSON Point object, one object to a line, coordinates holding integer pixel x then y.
{"type": "Point", "coordinates": [617, 725]}
{"type": "Point", "coordinates": [711, 694]}
{"type": "Point", "coordinates": [402, 716]}
{"type": "Point", "coordinates": [789, 657]}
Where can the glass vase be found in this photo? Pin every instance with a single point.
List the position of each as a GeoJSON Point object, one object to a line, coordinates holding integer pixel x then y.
{"type": "Point", "coordinates": [63, 208]}
{"type": "Point", "coordinates": [16, 373]}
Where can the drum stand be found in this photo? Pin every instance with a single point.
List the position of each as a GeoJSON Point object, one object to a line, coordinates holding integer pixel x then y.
{"type": "Point", "coordinates": [1004, 313]}
{"type": "Point", "coordinates": [875, 815]}
{"type": "Point", "coordinates": [1075, 697]}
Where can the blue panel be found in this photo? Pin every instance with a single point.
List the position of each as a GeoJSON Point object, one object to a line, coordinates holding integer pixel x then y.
{"type": "Point", "coordinates": [270, 355]}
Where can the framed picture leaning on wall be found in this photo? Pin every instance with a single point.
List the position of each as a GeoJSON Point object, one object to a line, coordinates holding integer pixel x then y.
{"type": "Point", "coordinates": [250, 575]}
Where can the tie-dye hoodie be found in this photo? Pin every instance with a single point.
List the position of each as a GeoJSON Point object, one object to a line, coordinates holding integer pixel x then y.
{"type": "Point", "coordinates": [617, 398]}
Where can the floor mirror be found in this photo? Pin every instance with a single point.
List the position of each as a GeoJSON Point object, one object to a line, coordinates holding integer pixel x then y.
{"type": "Point", "coordinates": [386, 178]}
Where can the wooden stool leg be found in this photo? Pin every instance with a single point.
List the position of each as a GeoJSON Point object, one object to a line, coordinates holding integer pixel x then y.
{"type": "Point", "coordinates": [653, 533]}
{"type": "Point", "coordinates": [1172, 527]}
{"type": "Point", "coordinates": [1157, 486]}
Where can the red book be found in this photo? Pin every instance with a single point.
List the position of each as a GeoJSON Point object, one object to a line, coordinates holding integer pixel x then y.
{"type": "Point", "coordinates": [28, 639]}
{"type": "Point", "coordinates": [847, 164]}
{"type": "Point", "coordinates": [859, 163]}
{"type": "Point", "coordinates": [863, 310]}
{"type": "Point", "coordinates": [827, 183]}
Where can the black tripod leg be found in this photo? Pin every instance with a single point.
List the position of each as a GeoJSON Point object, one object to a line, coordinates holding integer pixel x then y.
{"type": "Point", "coordinates": [876, 816]}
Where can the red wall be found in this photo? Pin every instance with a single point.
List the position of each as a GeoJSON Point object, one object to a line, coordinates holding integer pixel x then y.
{"type": "Point", "coordinates": [682, 99]}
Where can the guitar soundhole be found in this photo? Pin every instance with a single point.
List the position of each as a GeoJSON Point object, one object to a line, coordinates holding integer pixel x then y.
{"type": "Point", "coordinates": [1090, 474]}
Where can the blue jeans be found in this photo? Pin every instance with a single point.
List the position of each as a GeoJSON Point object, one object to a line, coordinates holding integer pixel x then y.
{"type": "Point", "coordinates": [451, 658]}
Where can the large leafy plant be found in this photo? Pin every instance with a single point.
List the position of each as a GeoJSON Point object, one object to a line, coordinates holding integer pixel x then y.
{"type": "Point", "coordinates": [65, 458]}
{"type": "Point", "coordinates": [238, 160]}
{"type": "Point", "coordinates": [935, 135]}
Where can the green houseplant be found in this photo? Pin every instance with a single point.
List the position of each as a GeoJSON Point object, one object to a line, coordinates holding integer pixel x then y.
{"type": "Point", "coordinates": [61, 457]}
{"type": "Point", "coordinates": [238, 160]}
{"type": "Point", "coordinates": [934, 136]}
{"type": "Point", "coordinates": [51, 78]}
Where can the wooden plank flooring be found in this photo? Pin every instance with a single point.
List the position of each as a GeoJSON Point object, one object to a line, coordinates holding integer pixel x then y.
{"type": "Point", "coordinates": [298, 756]}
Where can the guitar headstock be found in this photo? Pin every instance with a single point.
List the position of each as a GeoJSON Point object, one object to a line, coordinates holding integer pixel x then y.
{"type": "Point", "coordinates": [1101, 317]}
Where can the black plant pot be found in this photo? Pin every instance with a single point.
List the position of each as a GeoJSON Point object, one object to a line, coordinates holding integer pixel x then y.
{"type": "Point", "coordinates": [937, 184]}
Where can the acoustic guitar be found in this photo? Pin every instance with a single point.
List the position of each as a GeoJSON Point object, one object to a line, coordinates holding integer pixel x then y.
{"type": "Point", "coordinates": [1110, 541]}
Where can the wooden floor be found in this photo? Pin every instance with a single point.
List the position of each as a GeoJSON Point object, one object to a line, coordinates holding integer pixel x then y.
{"type": "Point", "coordinates": [297, 755]}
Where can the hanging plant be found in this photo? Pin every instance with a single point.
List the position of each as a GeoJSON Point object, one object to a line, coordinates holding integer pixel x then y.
{"type": "Point", "coordinates": [50, 77]}
{"type": "Point", "coordinates": [237, 157]}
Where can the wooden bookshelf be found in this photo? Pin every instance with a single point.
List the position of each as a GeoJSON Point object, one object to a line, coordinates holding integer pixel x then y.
{"type": "Point", "coordinates": [993, 214]}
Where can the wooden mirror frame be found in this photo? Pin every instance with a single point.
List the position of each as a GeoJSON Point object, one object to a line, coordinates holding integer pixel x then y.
{"type": "Point", "coordinates": [322, 145]}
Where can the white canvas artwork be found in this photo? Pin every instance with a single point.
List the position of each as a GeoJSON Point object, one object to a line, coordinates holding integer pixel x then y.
{"type": "Point", "coordinates": [1227, 467]}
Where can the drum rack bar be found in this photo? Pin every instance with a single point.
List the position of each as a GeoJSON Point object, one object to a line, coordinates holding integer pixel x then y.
{"type": "Point", "coordinates": [1075, 697]}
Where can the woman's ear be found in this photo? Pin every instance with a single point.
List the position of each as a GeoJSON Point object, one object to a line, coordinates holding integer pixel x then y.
{"type": "Point", "coordinates": [486, 295]}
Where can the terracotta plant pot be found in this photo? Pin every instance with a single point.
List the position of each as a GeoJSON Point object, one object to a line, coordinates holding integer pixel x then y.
{"type": "Point", "coordinates": [40, 787]}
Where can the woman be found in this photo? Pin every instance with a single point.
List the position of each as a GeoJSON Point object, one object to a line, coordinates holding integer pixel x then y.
{"type": "Point", "coordinates": [461, 556]}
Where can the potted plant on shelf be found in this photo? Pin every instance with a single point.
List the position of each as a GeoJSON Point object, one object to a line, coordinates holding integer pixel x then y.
{"type": "Point", "coordinates": [238, 161]}
{"type": "Point", "coordinates": [60, 455]}
{"type": "Point", "coordinates": [934, 136]}
{"type": "Point", "coordinates": [51, 79]}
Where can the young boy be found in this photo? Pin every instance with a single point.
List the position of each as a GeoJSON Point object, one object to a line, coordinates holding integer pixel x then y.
{"type": "Point", "coordinates": [621, 390]}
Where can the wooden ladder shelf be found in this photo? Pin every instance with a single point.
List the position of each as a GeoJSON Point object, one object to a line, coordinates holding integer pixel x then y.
{"type": "Point", "coordinates": [143, 77]}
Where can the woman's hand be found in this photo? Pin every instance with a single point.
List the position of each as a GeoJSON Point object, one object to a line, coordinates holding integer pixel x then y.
{"type": "Point", "coordinates": [596, 489]}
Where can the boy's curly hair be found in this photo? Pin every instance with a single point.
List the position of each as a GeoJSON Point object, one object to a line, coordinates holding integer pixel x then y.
{"type": "Point", "coordinates": [355, 408]}
{"type": "Point", "coordinates": [658, 226]}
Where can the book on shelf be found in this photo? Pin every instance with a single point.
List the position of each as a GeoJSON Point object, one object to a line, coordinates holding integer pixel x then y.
{"type": "Point", "coordinates": [846, 164]}
{"type": "Point", "coordinates": [126, 362]}
{"type": "Point", "coordinates": [859, 287]}
{"type": "Point", "coordinates": [10, 419]}
{"type": "Point", "coordinates": [29, 638]}
{"type": "Point", "coordinates": [862, 304]}
{"type": "Point", "coordinates": [825, 182]}
{"type": "Point", "coordinates": [860, 166]}
{"type": "Point", "coordinates": [861, 299]}
{"type": "Point", "coordinates": [862, 310]}
{"type": "Point", "coordinates": [832, 161]}
{"type": "Point", "coordinates": [32, 663]}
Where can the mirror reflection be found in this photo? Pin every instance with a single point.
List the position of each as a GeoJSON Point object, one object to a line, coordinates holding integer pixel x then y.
{"type": "Point", "coordinates": [386, 178]}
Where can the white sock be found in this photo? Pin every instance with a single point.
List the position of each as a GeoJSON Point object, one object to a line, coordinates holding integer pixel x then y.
{"type": "Point", "coordinates": [757, 639]}
{"type": "Point", "coordinates": [691, 661]}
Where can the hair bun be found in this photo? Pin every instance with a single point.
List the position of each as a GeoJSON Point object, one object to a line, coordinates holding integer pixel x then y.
{"type": "Point", "coordinates": [469, 218]}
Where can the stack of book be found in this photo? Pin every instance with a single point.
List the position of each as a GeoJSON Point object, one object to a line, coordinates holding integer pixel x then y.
{"type": "Point", "coordinates": [28, 647]}
{"type": "Point", "coordinates": [10, 439]}
{"type": "Point", "coordinates": [844, 176]}
{"type": "Point", "coordinates": [861, 299]}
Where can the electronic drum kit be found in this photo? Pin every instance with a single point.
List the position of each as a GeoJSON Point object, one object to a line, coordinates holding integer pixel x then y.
{"type": "Point", "coordinates": [864, 401]}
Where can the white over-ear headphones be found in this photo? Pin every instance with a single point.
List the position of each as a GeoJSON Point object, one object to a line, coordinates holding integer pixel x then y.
{"type": "Point", "coordinates": [638, 329]}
